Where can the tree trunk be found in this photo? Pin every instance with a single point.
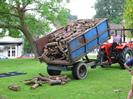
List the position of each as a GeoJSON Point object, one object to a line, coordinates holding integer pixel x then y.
{"type": "Point", "coordinates": [26, 32]}
{"type": "Point", "coordinates": [30, 39]}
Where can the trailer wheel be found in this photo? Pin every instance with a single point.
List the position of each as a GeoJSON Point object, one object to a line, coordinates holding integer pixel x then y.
{"type": "Point", "coordinates": [79, 71]}
{"type": "Point", "coordinates": [126, 54]}
{"type": "Point", "coordinates": [53, 72]}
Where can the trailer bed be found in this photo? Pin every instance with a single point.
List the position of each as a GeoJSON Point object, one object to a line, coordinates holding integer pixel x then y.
{"type": "Point", "coordinates": [80, 46]}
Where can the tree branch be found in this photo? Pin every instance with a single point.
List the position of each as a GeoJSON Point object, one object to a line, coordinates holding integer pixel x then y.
{"type": "Point", "coordinates": [10, 26]}
{"type": "Point", "coordinates": [25, 5]}
{"type": "Point", "coordinates": [31, 9]}
{"type": "Point", "coordinates": [9, 14]}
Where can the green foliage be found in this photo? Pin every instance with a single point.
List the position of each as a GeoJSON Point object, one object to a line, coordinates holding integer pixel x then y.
{"type": "Point", "coordinates": [27, 48]}
{"type": "Point", "coordinates": [116, 20]}
{"type": "Point", "coordinates": [55, 13]}
{"type": "Point", "coordinates": [112, 9]}
{"type": "Point", "coordinates": [128, 14]}
{"type": "Point", "coordinates": [37, 27]}
{"type": "Point", "coordinates": [64, 17]}
{"type": "Point", "coordinates": [14, 33]}
{"type": "Point", "coordinates": [49, 10]}
{"type": "Point", "coordinates": [2, 32]}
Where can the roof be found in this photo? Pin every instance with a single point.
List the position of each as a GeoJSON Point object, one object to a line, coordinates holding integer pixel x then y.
{"type": "Point", "coordinates": [115, 26]}
{"type": "Point", "coordinates": [9, 39]}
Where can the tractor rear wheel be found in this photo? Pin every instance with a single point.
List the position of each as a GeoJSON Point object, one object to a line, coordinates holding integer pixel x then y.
{"type": "Point", "coordinates": [103, 60]}
{"type": "Point", "coordinates": [125, 55]}
{"type": "Point", "coordinates": [79, 71]}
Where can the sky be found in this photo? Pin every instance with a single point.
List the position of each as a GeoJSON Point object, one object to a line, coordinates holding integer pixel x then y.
{"type": "Point", "coordinates": [84, 9]}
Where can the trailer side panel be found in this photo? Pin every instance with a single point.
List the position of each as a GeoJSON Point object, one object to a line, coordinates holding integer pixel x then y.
{"type": "Point", "coordinates": [88, 41]}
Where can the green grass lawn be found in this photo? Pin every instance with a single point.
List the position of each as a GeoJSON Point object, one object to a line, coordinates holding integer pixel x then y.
{"type": "Point", "coordinates": [99, 84]}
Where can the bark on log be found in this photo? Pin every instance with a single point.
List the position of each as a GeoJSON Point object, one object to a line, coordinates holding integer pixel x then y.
{"type": "Point", "coordinates": [54, 82]}
{"type": "Point", "coordinates": [14, 87]}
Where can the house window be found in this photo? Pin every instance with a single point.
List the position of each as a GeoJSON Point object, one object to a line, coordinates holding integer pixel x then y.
{"type": "Point", "coordinates": [8, 49]}
{"type": "Point", "coordinates": [13, 51]}
{"type": "Point", "coordinates": [8, 53]}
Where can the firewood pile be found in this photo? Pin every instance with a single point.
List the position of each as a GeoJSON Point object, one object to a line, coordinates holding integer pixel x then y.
{"type": "Point", "coordinates": [57, 46]}
{"type": "Point", "coordinates": [51, 80]}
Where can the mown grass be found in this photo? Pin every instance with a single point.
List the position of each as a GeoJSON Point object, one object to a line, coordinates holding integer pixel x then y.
{"type": "Point", "coordinates": [112, 83]}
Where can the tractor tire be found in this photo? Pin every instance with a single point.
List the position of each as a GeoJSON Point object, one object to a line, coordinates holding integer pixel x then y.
{"type": "Point", "coordinates": [124, 56]}
{"type": "Point", "coordinates": [53, 72]}
{"type": "Point", "coordinates": [102, 58]}
{"type": "Point", "coordinates": [79, 71]}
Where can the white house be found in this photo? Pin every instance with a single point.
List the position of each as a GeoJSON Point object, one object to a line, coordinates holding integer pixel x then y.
{"type": "Point", "coordinates": [11, 47]}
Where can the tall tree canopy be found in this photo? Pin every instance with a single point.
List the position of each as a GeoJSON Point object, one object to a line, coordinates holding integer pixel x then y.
{"type": "Point", "coordinates": [128, 14]}
{"type": "Point", "coordinates": [112, 9]}
{"type": "Point", "coordinates": [32, 17]}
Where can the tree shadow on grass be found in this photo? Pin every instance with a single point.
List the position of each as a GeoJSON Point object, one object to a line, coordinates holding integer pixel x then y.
{"type": "Point", "coordinates": [113, 66]}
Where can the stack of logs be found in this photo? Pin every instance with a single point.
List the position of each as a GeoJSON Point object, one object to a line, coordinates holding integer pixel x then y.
{"type": "Point", "coordinates": [51, 80]}
{"type": "Point", "coordinates": [57, 46]}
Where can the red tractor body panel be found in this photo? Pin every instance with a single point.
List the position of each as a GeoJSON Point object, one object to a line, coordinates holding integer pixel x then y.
{"type": "Point", "coordinates": [107, 48]}
{"type": "Point", "coordinates": [121, 46]}
{"type": "Point", "coordinates": [130, 44]}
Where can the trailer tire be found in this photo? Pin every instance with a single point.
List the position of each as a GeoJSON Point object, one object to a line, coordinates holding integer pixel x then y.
{"type": "Point", "coordinates": [79, 71]}
{"type": "Point", "coordinates": [53, 72]}
{"type": "Point", "coordinates": [126, 54]}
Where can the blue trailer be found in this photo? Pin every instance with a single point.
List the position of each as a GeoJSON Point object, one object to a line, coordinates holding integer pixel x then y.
{"type": "Point", "coordinates": [78, 48]}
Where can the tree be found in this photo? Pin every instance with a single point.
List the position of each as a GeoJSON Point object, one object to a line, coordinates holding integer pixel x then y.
{"type": "Point", "coordinates": [128, 14]}
{"type": "Point", "coordinates": [27, 48]}
{"type": "Point", "coordinates": [30, 17]}
{"type": "Point", "coordinates": [112, 9]}
{"type": "Point", "coordinates": [2, 32]}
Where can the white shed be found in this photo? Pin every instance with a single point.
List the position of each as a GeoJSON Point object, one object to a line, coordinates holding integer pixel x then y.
{"type": "Point", "coordinates": [11, 47]}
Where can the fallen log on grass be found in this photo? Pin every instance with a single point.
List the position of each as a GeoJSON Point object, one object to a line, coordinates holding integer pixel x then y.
{"type": "Point", "coordinates": [51, 80]}
{"type": "Point", "coordinates": [14, 87]}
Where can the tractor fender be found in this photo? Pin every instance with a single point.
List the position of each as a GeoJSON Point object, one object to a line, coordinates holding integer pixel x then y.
{"type": "Point", "coordinates": [121, 46]}
{"type": "Point", "coordinates": [102, 47]}
{"type": "Point", "coordinates": [106, 46]}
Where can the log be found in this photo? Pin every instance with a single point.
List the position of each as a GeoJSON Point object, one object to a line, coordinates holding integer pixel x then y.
{"type": "Point", "coordinates": [29, 82]}
{"type": "Point", "coordinates": [46, 79]}
{"type": "Point", "coordinates": [54, 82]}
{"type": "Point", "coordinates": [52, 44]}
{"type": "Point", "coordinates": [42, 75]}
{"type": "Point", "coordinates": [14, 87]}
{"type": "Point", "coordinates": [35, 85]}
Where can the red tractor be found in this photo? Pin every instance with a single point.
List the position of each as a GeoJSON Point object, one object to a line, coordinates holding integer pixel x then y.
{"type": "Point", "coordinates": [118, 51]}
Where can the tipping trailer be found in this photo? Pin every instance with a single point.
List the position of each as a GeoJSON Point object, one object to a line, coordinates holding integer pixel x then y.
{"type": "Point", "coordinates": [78, 48]}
